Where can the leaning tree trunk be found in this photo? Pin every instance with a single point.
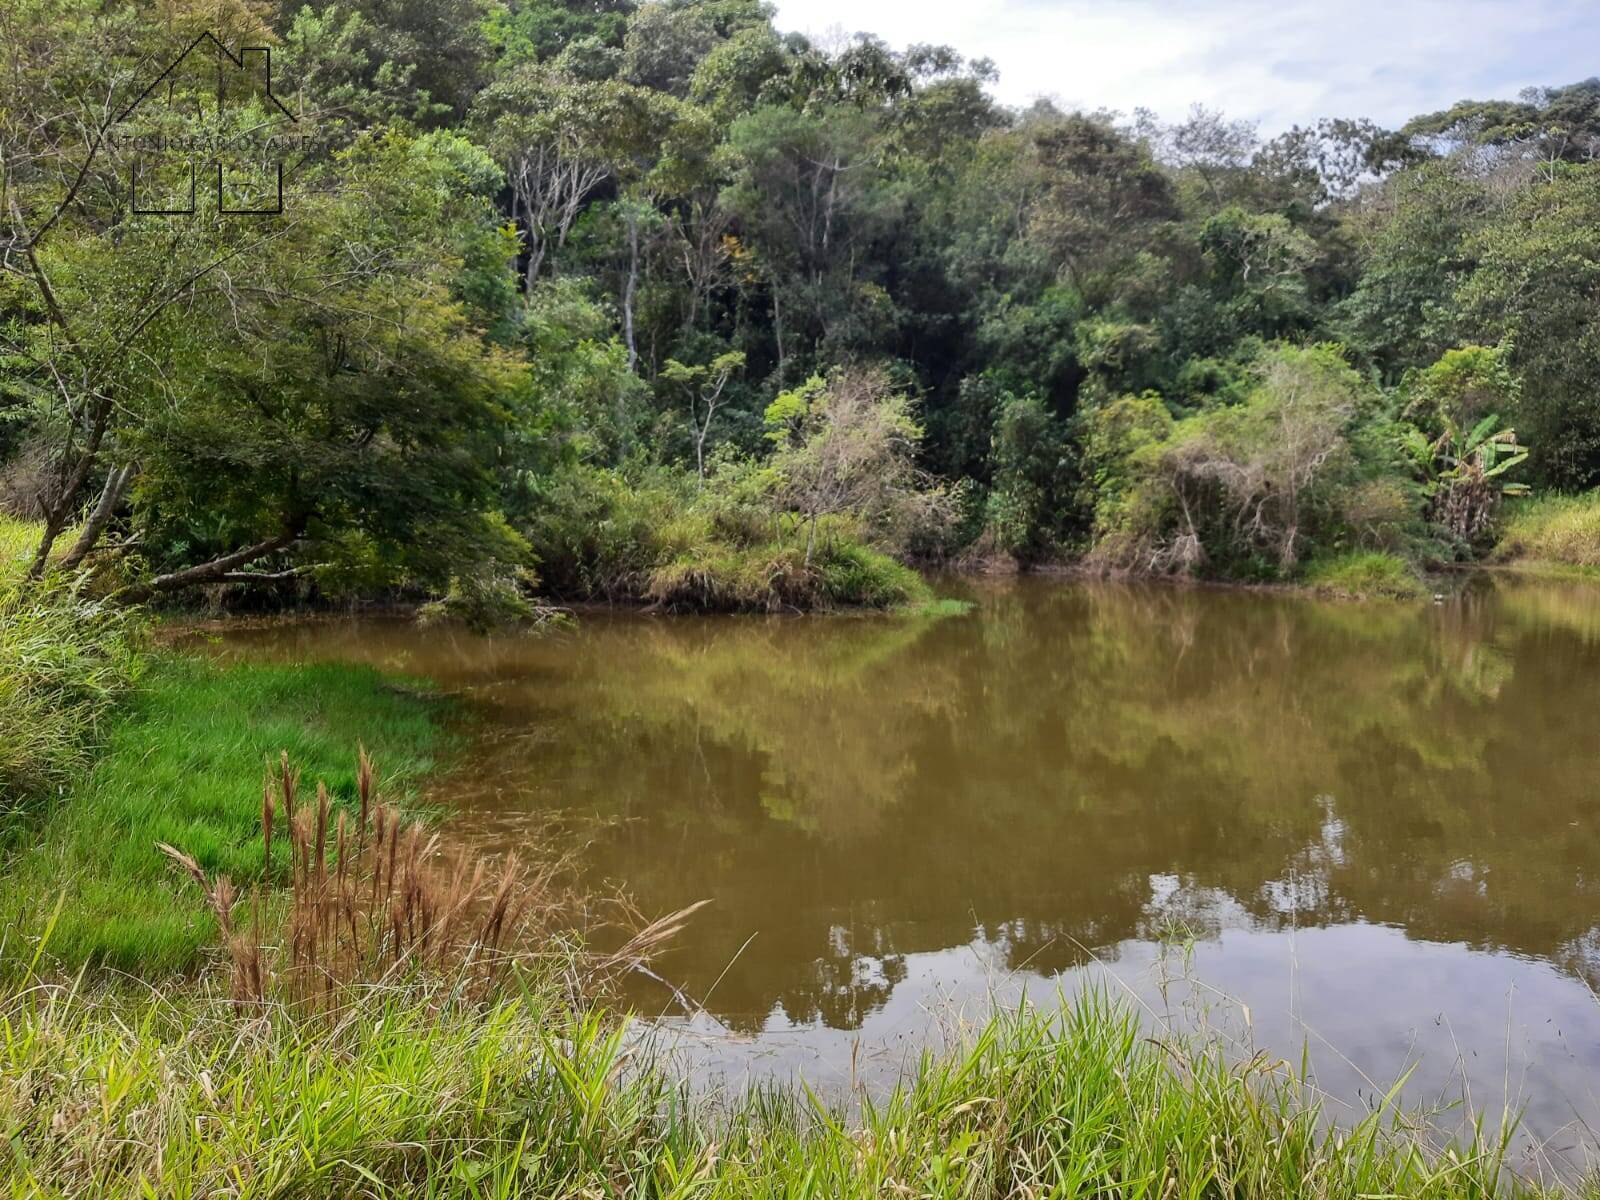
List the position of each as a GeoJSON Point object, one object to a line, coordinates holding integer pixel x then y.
{"type": "Point", "coordinates": [116, 484]}
{"type": "Point", "coordinates": [215, 571]}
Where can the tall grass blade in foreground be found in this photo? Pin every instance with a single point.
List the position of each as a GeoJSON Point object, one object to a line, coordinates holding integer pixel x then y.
{"type": "Point", "coordinates": [419, 1092]}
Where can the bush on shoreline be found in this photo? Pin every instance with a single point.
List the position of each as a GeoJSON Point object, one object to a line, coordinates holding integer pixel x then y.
{"type": "Point", "coordinates": [652, 538]}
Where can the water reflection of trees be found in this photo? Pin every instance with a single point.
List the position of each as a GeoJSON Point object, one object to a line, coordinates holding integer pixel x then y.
{"type": "Point", "coordinates": [1073, 766]}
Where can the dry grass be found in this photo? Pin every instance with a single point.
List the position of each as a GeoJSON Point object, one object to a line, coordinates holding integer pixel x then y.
{"type": "Point", "coordinates": [376, 899]}
{"type": "Point", "coordinates": [1561, 530]}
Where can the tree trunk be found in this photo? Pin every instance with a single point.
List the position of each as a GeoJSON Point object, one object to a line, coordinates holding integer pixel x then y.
{"type": "Point", "coordinates": [629, 291]}
{"type": "Point", "coordinates": [53, 524]}
{"type": "Point", "coordinates": [777, 329]}
{"type": "Point", "coordinates": [116, 484]}
{"type": "Point", "coordinates": [700, 432]}
{"type": "Point", "coordinates": [56, 514]}
{"type": "Point", "coordinates": [210, 572]}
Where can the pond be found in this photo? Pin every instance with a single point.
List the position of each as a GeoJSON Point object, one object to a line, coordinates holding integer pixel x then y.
{"type": "Point", "coordinates": [1366, 832]}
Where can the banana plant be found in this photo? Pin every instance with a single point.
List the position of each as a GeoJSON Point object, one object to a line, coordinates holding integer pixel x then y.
{"type": "Point", "coordinates": [1464, 473]}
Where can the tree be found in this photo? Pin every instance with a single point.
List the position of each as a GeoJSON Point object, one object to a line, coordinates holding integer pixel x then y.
{"type": "Point", "coordinates": [1104, 198]}
{"type": "Point", "coordinates": [704, 386]}
{"type": "Point", "coordinates": [1548, 124]}
{"type": "Point", "coordinates": [1260, 263]}
{"type": "Point", "coordinates": [93, 293]}
{"type": "Point", "coordinates": [1537, 285]}
{"type": "Point", "coordinates": [1332, 159]}
{"type": "Point", "coordinates": [427, 59]}
{"type": "Point", "coordinates": [1207, 146]}
{"type": "Point", "coordinates": [664, 45]}
{"type": "Point", "coordinates": [541, 30]}
{"type": "Point", "coordinates": [560, 139]}
{"type": "Point", "coordinates": [733, 76]}
{"type": "Point", "coordinates": [1232, 483]}
{"type": "Point", "coordinates": [319, 424]}
{"type": "Point", "coordinates": [847, 445]}
{"type": "Point", "coordinates": [242, 390]}
{"type": "Point", "coordinates": [1416, 245]}
{"type": "Point", "coordinates": [808, 200]}
{"type": "Point", "coordinates": [1029, 508]}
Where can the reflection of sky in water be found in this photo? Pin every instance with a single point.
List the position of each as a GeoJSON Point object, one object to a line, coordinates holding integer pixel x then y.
{"type": "Point", "coordinates": [1481, 1032]}
{"type": "Point", "coordinates": [1392, 809]}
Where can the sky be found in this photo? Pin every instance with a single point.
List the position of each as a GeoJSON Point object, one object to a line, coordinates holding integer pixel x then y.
{"type": "Point", "coordinates": [1276, 62]}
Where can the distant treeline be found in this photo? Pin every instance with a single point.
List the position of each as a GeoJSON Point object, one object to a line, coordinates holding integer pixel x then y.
{"type": "Point", "coordinates": [653, 301]}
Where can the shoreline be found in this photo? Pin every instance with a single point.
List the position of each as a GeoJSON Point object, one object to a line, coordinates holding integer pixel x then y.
{"type": "Point", "coordinates": [177, 623]}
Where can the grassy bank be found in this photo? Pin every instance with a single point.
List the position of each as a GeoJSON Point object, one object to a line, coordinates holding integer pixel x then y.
{"type": "Point", "coordinates": [1365, 576]}
{"type": "Point", "coordinates": [66, 658]}
{"type": "Point", "coordinates": [410, 1095]}
{"type": "Point", "coordinates": [175, 769]}
{"type": "Point", "coordinates": [1559, 533]}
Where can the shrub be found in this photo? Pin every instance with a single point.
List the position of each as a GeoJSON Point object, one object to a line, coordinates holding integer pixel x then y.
{"type": "Point", "coordinates": [773, 576]}
{"type": "Point", "coordinates": [862, 577]}
{"type": "Point", "coordinates": [598, 533]}
{"type": "Point", "coordinates": [487, 599]}
{"type": "Point", "coordinates": [1247, 490]}
{"type": "Point", "coordinates": [652, 536]}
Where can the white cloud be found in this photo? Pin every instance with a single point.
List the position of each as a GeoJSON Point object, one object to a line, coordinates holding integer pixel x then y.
{"type": "Point", "coordinates": [1275, 61]}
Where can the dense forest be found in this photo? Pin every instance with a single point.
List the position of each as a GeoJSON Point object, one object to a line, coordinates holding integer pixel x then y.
{"type": "Point", "coordinates": [591, 299]}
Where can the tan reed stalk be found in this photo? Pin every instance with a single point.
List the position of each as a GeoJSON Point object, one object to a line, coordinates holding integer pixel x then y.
{"type": "Point", "coordinates": [266, 825]}
{"type": "Point", "coordinates": [379, 831]}
{"type": "Point", "coordinates": [363, 789]}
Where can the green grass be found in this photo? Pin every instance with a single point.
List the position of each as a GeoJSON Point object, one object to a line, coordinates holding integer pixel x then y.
{"type": "Point", "coordinates": [17, 542]}
{"type": "Point", "coordinates": [176, 769]}
{"type": "Point", "coordinates": [1365, 576]}
{"type": "Point", "coordinates": [411, 1095]}
{"type": "Point", "coordinates": [938, 609]}
{"type": "Point", "coordinates": [1555, 531]}
{"type": "Point", "coordinates": [66, 658]}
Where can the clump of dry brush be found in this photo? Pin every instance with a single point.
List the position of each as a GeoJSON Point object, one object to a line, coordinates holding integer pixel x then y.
{"type": "Point", "coordinates": [375, 899]}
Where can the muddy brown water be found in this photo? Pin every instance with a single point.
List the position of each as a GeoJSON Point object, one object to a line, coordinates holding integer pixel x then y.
{"type": "Point", "coordinates": [1370, 833]}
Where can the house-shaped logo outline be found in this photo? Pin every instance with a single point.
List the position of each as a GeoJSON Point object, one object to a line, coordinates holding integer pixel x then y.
{"type": "Point", "coordinates": [238, 60]}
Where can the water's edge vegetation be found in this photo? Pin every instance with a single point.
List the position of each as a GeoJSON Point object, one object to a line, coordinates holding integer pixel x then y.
{"type": "Point", "coordinates": [181, 766]}
{"type": "Point", "coordinates": [413, 1092]}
